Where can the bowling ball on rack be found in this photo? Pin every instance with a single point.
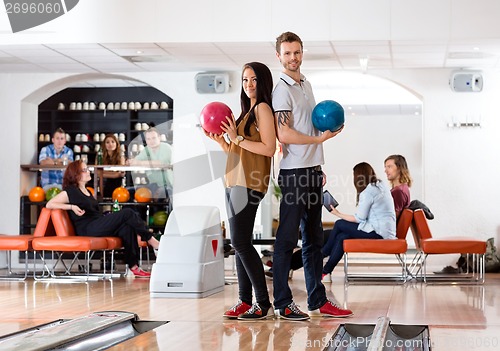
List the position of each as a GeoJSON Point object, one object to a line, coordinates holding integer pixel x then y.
{"type": "Point", "coordinates": [51, 193]}
{"type": "Point", "coordinates": [120, 194]}
{"type": "Point", "coordinates": [212, 115]}
{"type": "Point", "coordinates": [36, 194]}
{"type": "Point", "coordinates": [160, 218]}
{"type": "Point", "coordinates": [143, 195]}
{"type": "Point", "coordinates": [91, 190]}
{"type": "Point", "coordinates": [328, 115]}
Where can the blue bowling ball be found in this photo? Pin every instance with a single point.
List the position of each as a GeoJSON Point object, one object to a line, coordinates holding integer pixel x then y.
{"type": "Point", "coordinates": [328, 115]}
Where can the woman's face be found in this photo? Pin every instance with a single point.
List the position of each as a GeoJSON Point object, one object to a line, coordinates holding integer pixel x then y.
{"type": "Point", "coordinates": [110, 144]}
{"type": "Point", "coordinates": [84, 173]}
{"type": "Point", "coordinates": [249, 82]}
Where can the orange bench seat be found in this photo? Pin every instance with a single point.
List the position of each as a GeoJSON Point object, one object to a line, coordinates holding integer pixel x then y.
{"type": "Point", "coordinates": [69, 243]}
{"type": "Point", "coordinates": [429, 245]}
{"type": "Point", "coordinates": [379, 246]}
{"type": "Point", "coordinates": [15, 242]}
{"type": "Point", "coordinates": [453, 244]}
{"type": "Point", "coordinates": [23, 242]}
{"type": "Point", "coordinates": [397, 247]}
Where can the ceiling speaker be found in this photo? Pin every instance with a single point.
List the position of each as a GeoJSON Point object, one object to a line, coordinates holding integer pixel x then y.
{"type": "Point", "coordinates": [212, 83]}
{"type": "Point", "coordinates": [466, 81]}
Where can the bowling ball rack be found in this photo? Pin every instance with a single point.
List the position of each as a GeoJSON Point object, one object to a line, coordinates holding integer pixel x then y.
{"type": "Point", "coordinates": [382, 336]}
{"type": "Point", "coordinates": [97, 331]}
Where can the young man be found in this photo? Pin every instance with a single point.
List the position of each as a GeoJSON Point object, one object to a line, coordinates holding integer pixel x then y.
{"type": "Point", "coordinates": [301, 183]}
{"type": "Point", "coordinates": [398, 175]}
{"type": "Point", "coordinates": [56, 154]}
{"type": "Point", "coordinates": [156, 154]}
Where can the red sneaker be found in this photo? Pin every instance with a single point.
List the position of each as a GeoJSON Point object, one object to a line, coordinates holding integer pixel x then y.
{"type": "Point", "coordinates": [238, 309]}
{"type": "Point", "coordinates": [139, 273]}
{"type": "Point", "coordinates": [329, 309]}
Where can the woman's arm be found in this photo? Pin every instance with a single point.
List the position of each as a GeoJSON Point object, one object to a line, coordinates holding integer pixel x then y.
{"type": "Point", "coordinates": [113, 174]}
{"type": "Point", "coordinates": [61, 202]}
{"type": "Point", "coordinates": [364, 206]}
{"type": "Point", "coordinates": [347, 217]}
{"type": "Point", "coordinates": [219, 139]}
{"type": "Point", "coordinates": [265, 123]}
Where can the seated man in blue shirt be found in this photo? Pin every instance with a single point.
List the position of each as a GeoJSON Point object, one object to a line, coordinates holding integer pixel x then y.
{"type": "Point", "coordinates": [56, 154]}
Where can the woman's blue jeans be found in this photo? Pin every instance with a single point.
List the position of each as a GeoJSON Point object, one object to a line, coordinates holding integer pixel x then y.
{"type": "Point", "coordinates": [334, 247]}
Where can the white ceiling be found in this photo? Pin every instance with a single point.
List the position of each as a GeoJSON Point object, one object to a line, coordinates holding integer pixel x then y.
{"type": "Point", "coordinates": [325, 55]}
{"type": "Point", "coordinates": [344, 56]}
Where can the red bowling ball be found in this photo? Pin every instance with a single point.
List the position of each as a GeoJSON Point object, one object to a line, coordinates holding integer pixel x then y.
{"type": "Point", "coordinates": [212, 115]}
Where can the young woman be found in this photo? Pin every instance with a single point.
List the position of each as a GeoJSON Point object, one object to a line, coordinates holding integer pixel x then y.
{"type": "Point", "coordinates": [88, 220]}
{"type": "Point", "coordinates": [252, 144]}
{"type": "Point", "coordinates": [374, 219]}
{"type": "Point", "coordinates": [111, 155]}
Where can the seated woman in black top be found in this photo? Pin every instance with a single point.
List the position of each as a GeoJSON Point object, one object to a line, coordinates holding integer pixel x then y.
{"type": "Point", "coordinates": [89, 221]}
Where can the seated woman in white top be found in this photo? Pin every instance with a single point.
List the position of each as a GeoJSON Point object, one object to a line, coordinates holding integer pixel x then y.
{"type": "Point", "coordinates": [375, 217]}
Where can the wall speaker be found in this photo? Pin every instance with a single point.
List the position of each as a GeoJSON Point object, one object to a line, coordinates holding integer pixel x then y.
{"type": "Point", "coordinates": [466, 81]}
{"type": "Point", "coordinates": [212, 83]}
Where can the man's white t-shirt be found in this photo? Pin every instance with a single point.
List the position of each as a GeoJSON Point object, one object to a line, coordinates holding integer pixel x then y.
{"type": "Point", "coordinates": [288, 95]}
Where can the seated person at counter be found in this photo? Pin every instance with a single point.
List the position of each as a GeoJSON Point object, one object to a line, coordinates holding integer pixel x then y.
{"type": "Point", "coordinates": [88, 220]}
{"type": "Point", "coordinates": [56, 154]}
{"type": "Point", "coordinates": [111, 155]}
{"type": "Point", "coordinates": [156, 154]}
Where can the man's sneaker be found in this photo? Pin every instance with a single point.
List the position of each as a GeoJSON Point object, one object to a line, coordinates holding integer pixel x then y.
{"type": "Point", "coordinates": [256, 313]}
{"type": "Point", "coordinates": [291, 312]}
{"type": "Point", "coordinates": [240, 308]}
{"type": "Point", "coordinates": [329, 309]}
{"type": "Point", "coordinates": [326, 278]}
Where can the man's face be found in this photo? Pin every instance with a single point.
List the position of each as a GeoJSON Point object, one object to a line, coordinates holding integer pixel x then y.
{"type": "Point", "coordinates": [391, 170]}
{"type": "Point", "coordinates": [153, 139]}
{"type": "Point", "coordinates": [59, 139]}
{"type": "Point", "coordinates": [290, 56]}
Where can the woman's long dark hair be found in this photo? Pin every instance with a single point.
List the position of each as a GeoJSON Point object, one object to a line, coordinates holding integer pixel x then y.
{"type": "Point", "coordinates": [264, 91]}
{"type": "Point", "coordinates": [364, 174]}
{"type": "Point", "coordinates": [113, 157]}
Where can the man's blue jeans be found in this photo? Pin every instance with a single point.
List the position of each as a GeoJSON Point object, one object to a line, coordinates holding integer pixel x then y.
{"type": "Point", "coordinates": [302, 198]}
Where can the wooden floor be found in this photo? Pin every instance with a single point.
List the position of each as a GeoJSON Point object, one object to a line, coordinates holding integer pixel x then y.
{"type": "Point", "coordinates": [459, 317]}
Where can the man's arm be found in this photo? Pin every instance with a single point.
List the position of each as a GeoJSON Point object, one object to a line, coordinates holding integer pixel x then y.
{"type": "Point", "coordinates": [146, 163]}
{"type": "Point", "coordinates": [145, 158]}
{"type": "Point", "coordinates": [44, 158]}
{"type": "Point", "coordinates": [287, 135]}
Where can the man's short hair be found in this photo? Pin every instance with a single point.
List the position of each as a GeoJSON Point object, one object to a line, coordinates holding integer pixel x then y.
{"type": "Point", "coordinates": [287, 37]}
{"type": "Point", "coordinates": [59, 130]}
{"type": "Point", "coordinates": [153, 129]}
